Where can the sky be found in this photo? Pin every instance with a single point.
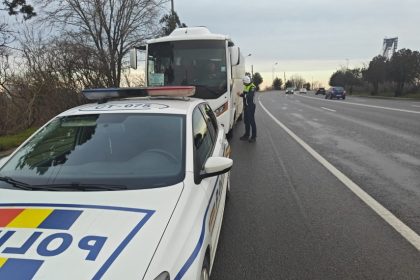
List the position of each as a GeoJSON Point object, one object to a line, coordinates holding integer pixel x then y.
{"type": "Point", "coordinates": [310, 38]}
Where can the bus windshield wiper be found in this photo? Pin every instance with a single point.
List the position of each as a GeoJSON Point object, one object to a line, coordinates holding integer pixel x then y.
{"type": "Point", "coordinates": [15, 183]}
{"type": "Point", "coordinates": [79, 187]}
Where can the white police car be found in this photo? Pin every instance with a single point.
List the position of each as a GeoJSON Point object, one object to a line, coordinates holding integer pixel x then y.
{"type": "Point", "coordinates": [131, 188]}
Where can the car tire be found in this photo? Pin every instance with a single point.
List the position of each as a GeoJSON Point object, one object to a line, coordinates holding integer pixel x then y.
{"type": "Point", "coordinates": [205, 270]}
{"type": "Point", "coordinates": [344, 97]}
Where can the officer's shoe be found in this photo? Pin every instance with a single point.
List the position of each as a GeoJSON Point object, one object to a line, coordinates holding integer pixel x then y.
{"type": "Point", "coordinates": [244, 138]}
{"type": "Point", "coordinates": [252, 140]}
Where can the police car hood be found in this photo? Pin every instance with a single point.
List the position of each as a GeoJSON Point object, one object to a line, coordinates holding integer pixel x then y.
{"type": "Point", "coordinates": [82, 235]}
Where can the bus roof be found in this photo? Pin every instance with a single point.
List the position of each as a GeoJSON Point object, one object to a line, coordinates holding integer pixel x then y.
{"type": "Point", "coordinates": [190, 33]}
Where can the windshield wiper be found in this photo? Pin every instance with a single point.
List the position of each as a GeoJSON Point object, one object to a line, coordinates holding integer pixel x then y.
{"type": "Point", "coordinates": [62, 187]}
{"type": "Point", "coordinates": [79, 187]}
{"type": "Point", "coordinates": [15, 183]}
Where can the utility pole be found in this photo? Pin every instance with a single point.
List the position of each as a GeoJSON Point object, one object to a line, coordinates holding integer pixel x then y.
{"type": "Point", "coordinates": [272, 72]}
{"type": "Point", "coordinates": [172, 7]}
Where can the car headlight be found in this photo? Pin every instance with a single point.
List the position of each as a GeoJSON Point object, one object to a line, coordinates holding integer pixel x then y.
{"type": "Point", "coordinates": [163, 276]}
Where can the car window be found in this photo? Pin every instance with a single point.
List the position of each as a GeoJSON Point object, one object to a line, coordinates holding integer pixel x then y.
{"type": "Point", "coordinates": [203, 142]}
{"type": "Point", "coordinates": [134, 150]}
{"type": "Point", "coordinates": [210, 119]}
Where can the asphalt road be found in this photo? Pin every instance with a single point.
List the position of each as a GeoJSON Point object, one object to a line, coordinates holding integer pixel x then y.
{"type": "Point", "coordinates": [288, 217]}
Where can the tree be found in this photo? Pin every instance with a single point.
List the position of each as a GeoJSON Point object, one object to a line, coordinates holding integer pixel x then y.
{"type": "Point", "coordinates": [307, 86]}
{"type": "Point", "coordinates": [111, 28]}
{"type": "Point", "coordinates": [376, 72]}
{"type": "Point", "coordinates": [288, 84]}
{"type": "Point", "coordinates": [346, 78]}
{"type": "Point", "coordinates": [277, 83]}
{"type": "Point", "coordinates": [337, 79]}
{"type": "Point", "coordinates": [257, 80]}
{"type": "Point", "coordinates": [12, 7]}
{"type": "Point", "coordinates": [16, 7]}
{"type": "Point", "coordinates": [170, 22]}
{"type": "Point", "coordinates": [297, 81]}
{"type": "Point", "coordinates": [404, 67]}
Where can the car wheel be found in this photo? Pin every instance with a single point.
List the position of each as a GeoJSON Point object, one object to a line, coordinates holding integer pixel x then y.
{"type": "Point", "coordinates": [344, 97]}
{"type": "Point", "coordinates": [205, 273]}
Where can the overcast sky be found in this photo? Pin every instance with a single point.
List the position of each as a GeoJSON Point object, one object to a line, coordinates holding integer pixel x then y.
{"type": "Point", "coordinates": [312, 38]}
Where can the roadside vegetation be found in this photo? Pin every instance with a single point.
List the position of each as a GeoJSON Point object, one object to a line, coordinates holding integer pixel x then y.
{"type": "Point", "coordinates": [396, 77]}
{"type": "Point", "coordinates": [8, 142]}
{"type": "Point", "coordinates": [51, 50]}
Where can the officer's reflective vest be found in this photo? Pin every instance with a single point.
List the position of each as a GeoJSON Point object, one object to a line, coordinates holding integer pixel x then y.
{"type": "Point", "coordinates": [247, 88]}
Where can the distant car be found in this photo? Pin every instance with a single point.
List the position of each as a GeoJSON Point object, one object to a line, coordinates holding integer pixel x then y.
{"type": "Point", "coordinates": [336, 92]}
{"type": "Point", "coordinates": [132, 188]}
{"type": "Point", "coordinates": [290, 90]}
{"type": "Point", "coordinates": [320, 91]}
{"type": "Point", "coordinates": [303, 90]}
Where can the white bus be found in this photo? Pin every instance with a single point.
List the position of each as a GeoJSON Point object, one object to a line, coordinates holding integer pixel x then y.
{"type": "Point", "coordinates": [195, 56]}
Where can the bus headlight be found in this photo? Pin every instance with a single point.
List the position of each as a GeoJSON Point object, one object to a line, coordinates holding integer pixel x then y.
{"type": "Point", "coordinates": [221, 109]}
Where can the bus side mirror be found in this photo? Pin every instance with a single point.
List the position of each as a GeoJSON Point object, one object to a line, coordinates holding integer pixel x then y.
{"type": "Point", "coordinates": [133, 58]}
{"type": "Point", "coordinates": [234, 55]}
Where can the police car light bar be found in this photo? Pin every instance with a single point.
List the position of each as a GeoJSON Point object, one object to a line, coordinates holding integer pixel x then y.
{"type": "Point", "coordinates": [116, 93]}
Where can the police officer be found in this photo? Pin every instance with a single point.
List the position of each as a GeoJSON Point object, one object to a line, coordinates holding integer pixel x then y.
{"type": "Point", "coordinates": [249, 109]}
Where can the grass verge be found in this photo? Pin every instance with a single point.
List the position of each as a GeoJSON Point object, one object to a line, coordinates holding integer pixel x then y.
{"type": "Point", "coordinates": [8, 142]}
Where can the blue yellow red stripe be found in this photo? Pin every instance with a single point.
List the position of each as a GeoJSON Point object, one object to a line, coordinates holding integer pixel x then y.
{"type": "Point", "coordinates": [18, 269]}
{"type": "Point", "coordinates": [38, 218]}
{"type": "Point", "coordinates": [2, 261]}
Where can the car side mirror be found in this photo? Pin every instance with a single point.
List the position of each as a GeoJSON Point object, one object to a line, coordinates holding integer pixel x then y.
{"type": "Point", "coordinates": [216, 166]}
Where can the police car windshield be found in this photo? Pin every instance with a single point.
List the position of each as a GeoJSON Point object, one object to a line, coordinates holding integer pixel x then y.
{"type": "Point", "coordinates": [130, 150]}
{"type": "Point", "coordinates": [201, 63]}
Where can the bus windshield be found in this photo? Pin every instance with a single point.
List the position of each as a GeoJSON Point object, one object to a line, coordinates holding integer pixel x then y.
{"type": "Point", "coordinates": [200, 63]}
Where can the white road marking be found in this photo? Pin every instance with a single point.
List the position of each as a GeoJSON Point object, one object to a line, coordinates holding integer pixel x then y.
{"type": "Point", "coordinates": [406, 232]}
{"type": "Point", "coordinates": [365, 105]}
{"type": "Point", "coordinates": [417, 106]}
{"type": "Point", "coordinates": [328, 109]}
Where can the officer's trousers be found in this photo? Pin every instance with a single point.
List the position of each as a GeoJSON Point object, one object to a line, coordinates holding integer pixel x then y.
{"type": "Point", "coordinates": [249, 120]}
